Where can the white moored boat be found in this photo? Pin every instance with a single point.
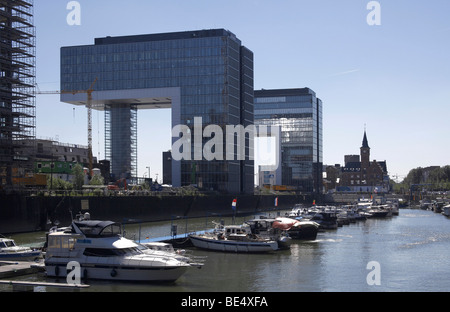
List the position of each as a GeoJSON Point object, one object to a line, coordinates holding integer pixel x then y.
{"type": "Point", "coordinates": [233, 238]}
{"type": "Point", "coordinates": [104, 254]}
{"type": "Point", "coordinates": [9, 251]}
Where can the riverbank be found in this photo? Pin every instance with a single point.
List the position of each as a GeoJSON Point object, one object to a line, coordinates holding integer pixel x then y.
{"type": "Point", "coordinates": [22, 214]}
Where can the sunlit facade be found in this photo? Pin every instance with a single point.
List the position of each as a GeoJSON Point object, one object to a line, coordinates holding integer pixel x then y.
{"type": "Point", "coordinates": [206, 73]}
{"type": "Point", "coordinates": [298, 112]}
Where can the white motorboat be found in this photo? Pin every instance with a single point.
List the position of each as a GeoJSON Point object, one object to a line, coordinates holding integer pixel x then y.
{"type": "Point", "coordinates": [380, 211]}
{"type": "Point", "coordinates": [446, 210]}
{"type": "Point", "coordinates": [9, 251]}
{"type": "Point", "coordinates": [103, 253]}
{"type": "Point", "coordinates": [233, 238]}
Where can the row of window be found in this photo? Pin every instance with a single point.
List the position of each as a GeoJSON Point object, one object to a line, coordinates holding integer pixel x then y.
{"type": "Point", "coordinates": [143, 55]}
{"type": "Point", "coordinates": [130, 47]}
{"type": "Point", "coordinates": [69, 66]}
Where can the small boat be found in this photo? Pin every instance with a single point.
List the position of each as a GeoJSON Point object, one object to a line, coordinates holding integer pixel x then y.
{"type": "Point", "coordinates": [273, 229]}
{"type": "Point", "coordinates": [425, 204]}
{"type": "Point", "coordinates": [9, 251]}
{"type": "Point", "coordinates": [380, 211]}
{"type": "Point", "coordinates": [103, 253]}
{"type": "Point", "coordinates": [325, 216]}
{"type": "Point", "coordinates": [301, 229]}
{"type": "Point", "coordinates": [446, 210]}
{"type": "Point", "coordinates": [395, 204]}
{"type": "Point", "coordinates": [233, 238]}
{"type": "Point", "coordinates": [327, 220]}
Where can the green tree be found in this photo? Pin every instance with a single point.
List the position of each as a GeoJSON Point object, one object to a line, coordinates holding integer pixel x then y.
{"type": "Point", "coordinates": [97, 180]}
{"type": "Point", "coordinates": [78, 177]}
{"type": "Point", "coordinates": [58, 184]}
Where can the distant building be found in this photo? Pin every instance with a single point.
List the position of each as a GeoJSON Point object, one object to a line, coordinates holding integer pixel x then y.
{"type": "Point", "coordinates": [49, 149]}
{"type": "Point", "coordinates": [269, 177]}
{"type": "Point", "coordinates": [298, 113]}
{"type": "Point", "coordinates": [332, 177]}
{"type": "Point", "coordinates": [360, 174]}
{"type": "Point", "coordinates": [58, 159]}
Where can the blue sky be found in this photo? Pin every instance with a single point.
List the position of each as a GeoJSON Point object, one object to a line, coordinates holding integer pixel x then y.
{"type": "Point", "coordinates": [394, 78]}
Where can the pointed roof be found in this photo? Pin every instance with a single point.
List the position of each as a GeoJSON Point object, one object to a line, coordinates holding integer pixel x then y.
{"type": "Point", "coordinates": [365, 143]}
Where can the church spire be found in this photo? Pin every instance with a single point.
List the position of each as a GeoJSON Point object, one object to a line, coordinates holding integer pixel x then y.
{"type": "Point", "coordinates": [365, 143]}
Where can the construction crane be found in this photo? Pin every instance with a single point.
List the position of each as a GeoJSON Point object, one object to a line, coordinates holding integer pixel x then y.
{"type": "Point", "coordinates": [89, 109]}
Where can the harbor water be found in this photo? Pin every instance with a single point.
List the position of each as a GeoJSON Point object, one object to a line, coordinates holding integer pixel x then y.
{"type": "Point", "coordinates": [405, 253]}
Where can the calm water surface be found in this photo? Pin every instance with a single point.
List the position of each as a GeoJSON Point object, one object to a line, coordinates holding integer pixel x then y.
{"type": "Point", "coordinates": [413, 250]}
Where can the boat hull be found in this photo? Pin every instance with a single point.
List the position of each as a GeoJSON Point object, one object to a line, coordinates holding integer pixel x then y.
{"type": "Point", "coordinates": [233, 246]}
{"type": "Point", "coordinates": [305, 232]}
{"type": "Point", "coordinates": [21, 256]}
{"type": "Point", "coordinates": [120, 273]}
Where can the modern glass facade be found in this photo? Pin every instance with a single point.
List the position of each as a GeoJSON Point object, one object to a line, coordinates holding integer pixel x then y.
{"type": "Point", "coordinates": [207, 74]}
{"type": "Point", "coordinates": [298, 112]}
{"type": "Point", "coordinates": [121, 140]}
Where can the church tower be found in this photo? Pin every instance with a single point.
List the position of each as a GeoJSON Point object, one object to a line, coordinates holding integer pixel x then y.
{"type": "Point", "coordinates": [365, 154]}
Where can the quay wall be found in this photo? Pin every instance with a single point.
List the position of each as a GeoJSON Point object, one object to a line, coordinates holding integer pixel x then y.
{"type": "Point", "coordinates": [19, 213]}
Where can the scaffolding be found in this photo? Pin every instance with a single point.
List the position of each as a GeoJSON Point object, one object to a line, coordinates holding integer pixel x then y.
{"type": "Point", "coordinates": [17, 90]}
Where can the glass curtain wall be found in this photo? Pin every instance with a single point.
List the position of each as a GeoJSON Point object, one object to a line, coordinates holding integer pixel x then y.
{"type": "Point", "coordinates": [121, 140]}
{"type": "Point", "coordinates": [205, 65]}
{"type": "Point", "coordinates": [300, 121]}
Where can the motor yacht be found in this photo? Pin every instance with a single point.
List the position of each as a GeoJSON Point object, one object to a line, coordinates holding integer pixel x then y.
{"type": "Point", "coordinates": [103, 253]}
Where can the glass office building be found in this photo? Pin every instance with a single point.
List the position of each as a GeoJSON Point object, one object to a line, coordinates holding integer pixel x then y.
{"type": "Point", "coordinates": [298, 112]}
{"type": "Point", "coordinates": [206, 73]}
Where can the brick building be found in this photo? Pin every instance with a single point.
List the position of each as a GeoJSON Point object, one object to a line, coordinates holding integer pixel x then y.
{"type": "Point", "coordinates": [360, 174]}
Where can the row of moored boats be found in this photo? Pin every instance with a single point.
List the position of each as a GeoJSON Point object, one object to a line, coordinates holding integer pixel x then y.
{"type": "Point", "coordinates": [269, 234]}
{"type": "Point", "coordinates": [103, 253]}
{"type": "Point", "coordinates": [439, 205]}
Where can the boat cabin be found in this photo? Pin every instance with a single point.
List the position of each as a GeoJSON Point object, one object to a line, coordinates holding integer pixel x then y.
{"type": "Point", "coordinates": [236, 232]}
{"type": "Point", "coordinates": [6, 243]}
{"type": "Point", "coordinates": [63, 242]}
{"type": "Point", "coordinates": [98, 229]}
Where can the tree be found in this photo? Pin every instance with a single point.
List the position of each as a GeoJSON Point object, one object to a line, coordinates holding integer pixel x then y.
{"type": "Point", "coordinates": [97, 180]}
{"type": "Point", "coordinates": [438, 178]}
{"type": "Point", "coordinates": [78, 177]}
{"type": "Point", "coordinates": [58, 184]}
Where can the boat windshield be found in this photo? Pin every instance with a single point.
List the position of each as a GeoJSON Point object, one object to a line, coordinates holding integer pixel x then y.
{"type": "Point", "coordinates": [6, 244]}
{"type": "Point", "coordinates": [97, 228]}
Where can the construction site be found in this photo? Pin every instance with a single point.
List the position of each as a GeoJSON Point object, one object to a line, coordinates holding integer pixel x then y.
{"type": "Point", "coordinates": [17, 92]}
